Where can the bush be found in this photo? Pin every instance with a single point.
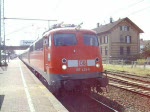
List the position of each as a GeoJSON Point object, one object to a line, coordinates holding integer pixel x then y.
{"type": "Point", "coordinates": [141, 61]}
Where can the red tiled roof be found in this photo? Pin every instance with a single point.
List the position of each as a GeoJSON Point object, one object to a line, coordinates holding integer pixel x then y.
{"type": "Point", "coordinates": [108, 27]}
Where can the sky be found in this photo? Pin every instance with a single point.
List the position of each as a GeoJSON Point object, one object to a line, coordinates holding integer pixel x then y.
{"type": "Point", "coordinates": [90, 12]}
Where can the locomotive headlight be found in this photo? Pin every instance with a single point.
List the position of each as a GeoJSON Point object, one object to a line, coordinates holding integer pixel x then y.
{"type": "Point", "coordinates": [64, 67]}
{"type": "Point", "coordinates": [97, 65]}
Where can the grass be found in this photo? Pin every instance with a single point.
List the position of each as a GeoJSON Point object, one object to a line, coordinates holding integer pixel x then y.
{"type": "Point", "coordinates": [126, 68]}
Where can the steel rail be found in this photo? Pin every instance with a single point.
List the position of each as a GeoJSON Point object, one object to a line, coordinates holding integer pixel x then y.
{"type": "Point", "coordinates": [104, 104]}
{"type": "Point", "coordinates": [126, 74]}
{"type": "Point", "coordinates": [127, 88]}
{"type": "Point", "coordinates": [138, 86]}
{"type": "Point", "coordinates": [135, 83]}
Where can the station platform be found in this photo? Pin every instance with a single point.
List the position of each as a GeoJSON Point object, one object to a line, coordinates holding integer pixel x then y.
{"type": "Point", "coordinates": [21, 91]}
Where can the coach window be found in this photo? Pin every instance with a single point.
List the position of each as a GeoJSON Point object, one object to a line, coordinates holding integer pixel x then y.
{"type": "Point", "coordinates": [31, 48]}
{"type": "Point", "coordinates": [39, 44]}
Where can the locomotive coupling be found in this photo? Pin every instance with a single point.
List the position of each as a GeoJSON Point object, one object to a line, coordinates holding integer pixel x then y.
{"type": "Point", "coordinates": [103, 81]}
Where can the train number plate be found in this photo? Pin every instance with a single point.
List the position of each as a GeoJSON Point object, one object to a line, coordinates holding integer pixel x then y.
{"type": "Point", "coordinates": [82, 69]}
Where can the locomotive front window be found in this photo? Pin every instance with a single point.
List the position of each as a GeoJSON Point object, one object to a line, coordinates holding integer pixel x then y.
{"type": "Point", "coordinates": [65, 39]}
{"type": "Point", "coordinates": [90, 40]}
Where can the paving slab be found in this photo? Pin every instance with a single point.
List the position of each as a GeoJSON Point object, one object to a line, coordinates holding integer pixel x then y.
{"type": "Point", "coordinates": [21, 91]}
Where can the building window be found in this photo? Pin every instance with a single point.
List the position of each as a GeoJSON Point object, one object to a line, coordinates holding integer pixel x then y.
{"type": "Point", "coordinates": [124, 28]}
{"type": "Point", "coordinates": [128, 50]}
{"type": "Point", "coordinates": [121, 51]}
{"type": "Point", "coordinates": [101, 50]}
{"type": "Point", "coordinates": [100, 40]}
{"type": "Point", "coordinates": [128, 39]}
{"type": "Point", "coordinates": [106, 51]}
{"type": "Point", "coordinates": [105, 39]}
{"type": "Point", "coordinates": [121, 38]}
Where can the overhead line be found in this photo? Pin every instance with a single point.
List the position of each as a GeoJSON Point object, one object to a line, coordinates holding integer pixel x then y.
{"type": "Point", "coordinates": [131, 5]}
{"type": "Point", "coordinates": [30, 19]}
{"type": "Point", "coordinates": [139, 11]}
{"type": "Point", "coordinates": [19, 29]}
{"type": "Point", "coordinates": [121, 9]}
{"type": "Point", "coordinates": [135, 3]}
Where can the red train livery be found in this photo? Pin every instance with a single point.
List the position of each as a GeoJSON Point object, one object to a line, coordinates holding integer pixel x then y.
{"type": "Point", "coordinates": [68, 58]}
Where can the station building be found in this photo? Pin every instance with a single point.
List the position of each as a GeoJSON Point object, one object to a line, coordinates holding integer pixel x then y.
{"type": "Point", "coordinates": [119, 39]}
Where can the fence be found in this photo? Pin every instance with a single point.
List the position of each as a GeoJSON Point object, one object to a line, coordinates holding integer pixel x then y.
{"type": "Point", "coordinates": [132, 64]}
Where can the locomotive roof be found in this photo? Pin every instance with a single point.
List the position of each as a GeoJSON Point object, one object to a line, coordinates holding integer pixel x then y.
{"type": "Point", "coordinates": [67, 30]}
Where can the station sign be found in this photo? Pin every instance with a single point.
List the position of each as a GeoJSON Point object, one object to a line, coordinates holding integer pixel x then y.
{"type": "Point", "coordinates": [26, 42]}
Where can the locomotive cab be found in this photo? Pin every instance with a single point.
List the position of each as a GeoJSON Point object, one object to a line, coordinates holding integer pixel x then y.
{"type": "Point", "coordinates": [68, 59]}
{"type": "Point", "coordinates": [72, 58]}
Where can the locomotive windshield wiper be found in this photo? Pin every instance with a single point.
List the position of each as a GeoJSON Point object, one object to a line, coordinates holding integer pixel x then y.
{"type": "Point", "coordinates": [67, 44]}
{"type": "Point", "coordinates": [61, 44]}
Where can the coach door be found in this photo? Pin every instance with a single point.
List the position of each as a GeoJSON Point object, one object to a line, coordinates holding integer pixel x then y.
{"type": "Point", "coordinates": [47, 48]}
{"type": "Point", "coordinates": [45, 43]}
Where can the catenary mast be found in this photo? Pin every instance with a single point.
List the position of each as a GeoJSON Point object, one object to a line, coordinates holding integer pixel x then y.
{"type": "Point", "coordinates": [2, 36]}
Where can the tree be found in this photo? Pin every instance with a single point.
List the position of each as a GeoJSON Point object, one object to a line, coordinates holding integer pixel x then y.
{"type": "Point", "coordinates": [146, 50]}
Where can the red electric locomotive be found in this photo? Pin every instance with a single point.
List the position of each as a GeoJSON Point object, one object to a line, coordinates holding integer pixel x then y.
{"type": "Point", "coordinates": [68, 58]}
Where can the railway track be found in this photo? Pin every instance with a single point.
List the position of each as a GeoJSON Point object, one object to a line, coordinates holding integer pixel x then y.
{"type": "Point", "coordinates": [131, 76]}
{"type": "Point", "coordinates": [136, 84]}
{"type": "Point", "coordinates": [107, 106]}
{"type": "Point", "coordinates": [85, 103]}
{"type": "Point", "coordinates": [79, 102]}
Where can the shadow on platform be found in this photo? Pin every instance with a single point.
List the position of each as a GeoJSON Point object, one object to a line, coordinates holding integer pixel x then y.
{"type": "Point", "coordinates": [1, 100]}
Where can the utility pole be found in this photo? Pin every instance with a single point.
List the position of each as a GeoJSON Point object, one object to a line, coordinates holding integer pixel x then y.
{"type": "Point", "coordinates": [0, 35]}
{"type": "Point", "coordinates": [2, 31]}
{"type": "Point", "coordinates": [4, 34]}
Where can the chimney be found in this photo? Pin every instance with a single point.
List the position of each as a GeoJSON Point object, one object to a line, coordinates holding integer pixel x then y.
{"type": "Point", "coordinates": [97, 25]}
{"type": "Point", "coordinates": [111, 19]}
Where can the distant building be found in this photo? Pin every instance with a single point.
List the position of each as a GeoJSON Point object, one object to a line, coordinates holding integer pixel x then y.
{"type": "Point", "coordinates": [119, 39]}
{"type": "Point", "coordinates": [143, 43]}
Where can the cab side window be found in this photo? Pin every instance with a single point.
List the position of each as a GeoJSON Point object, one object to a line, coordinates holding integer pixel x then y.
{"type": "Point", "coordinates": [45, 41]}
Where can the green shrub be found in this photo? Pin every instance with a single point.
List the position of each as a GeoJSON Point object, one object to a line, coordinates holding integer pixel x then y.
{"type": "Point", "coordinates": [141, 61]}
